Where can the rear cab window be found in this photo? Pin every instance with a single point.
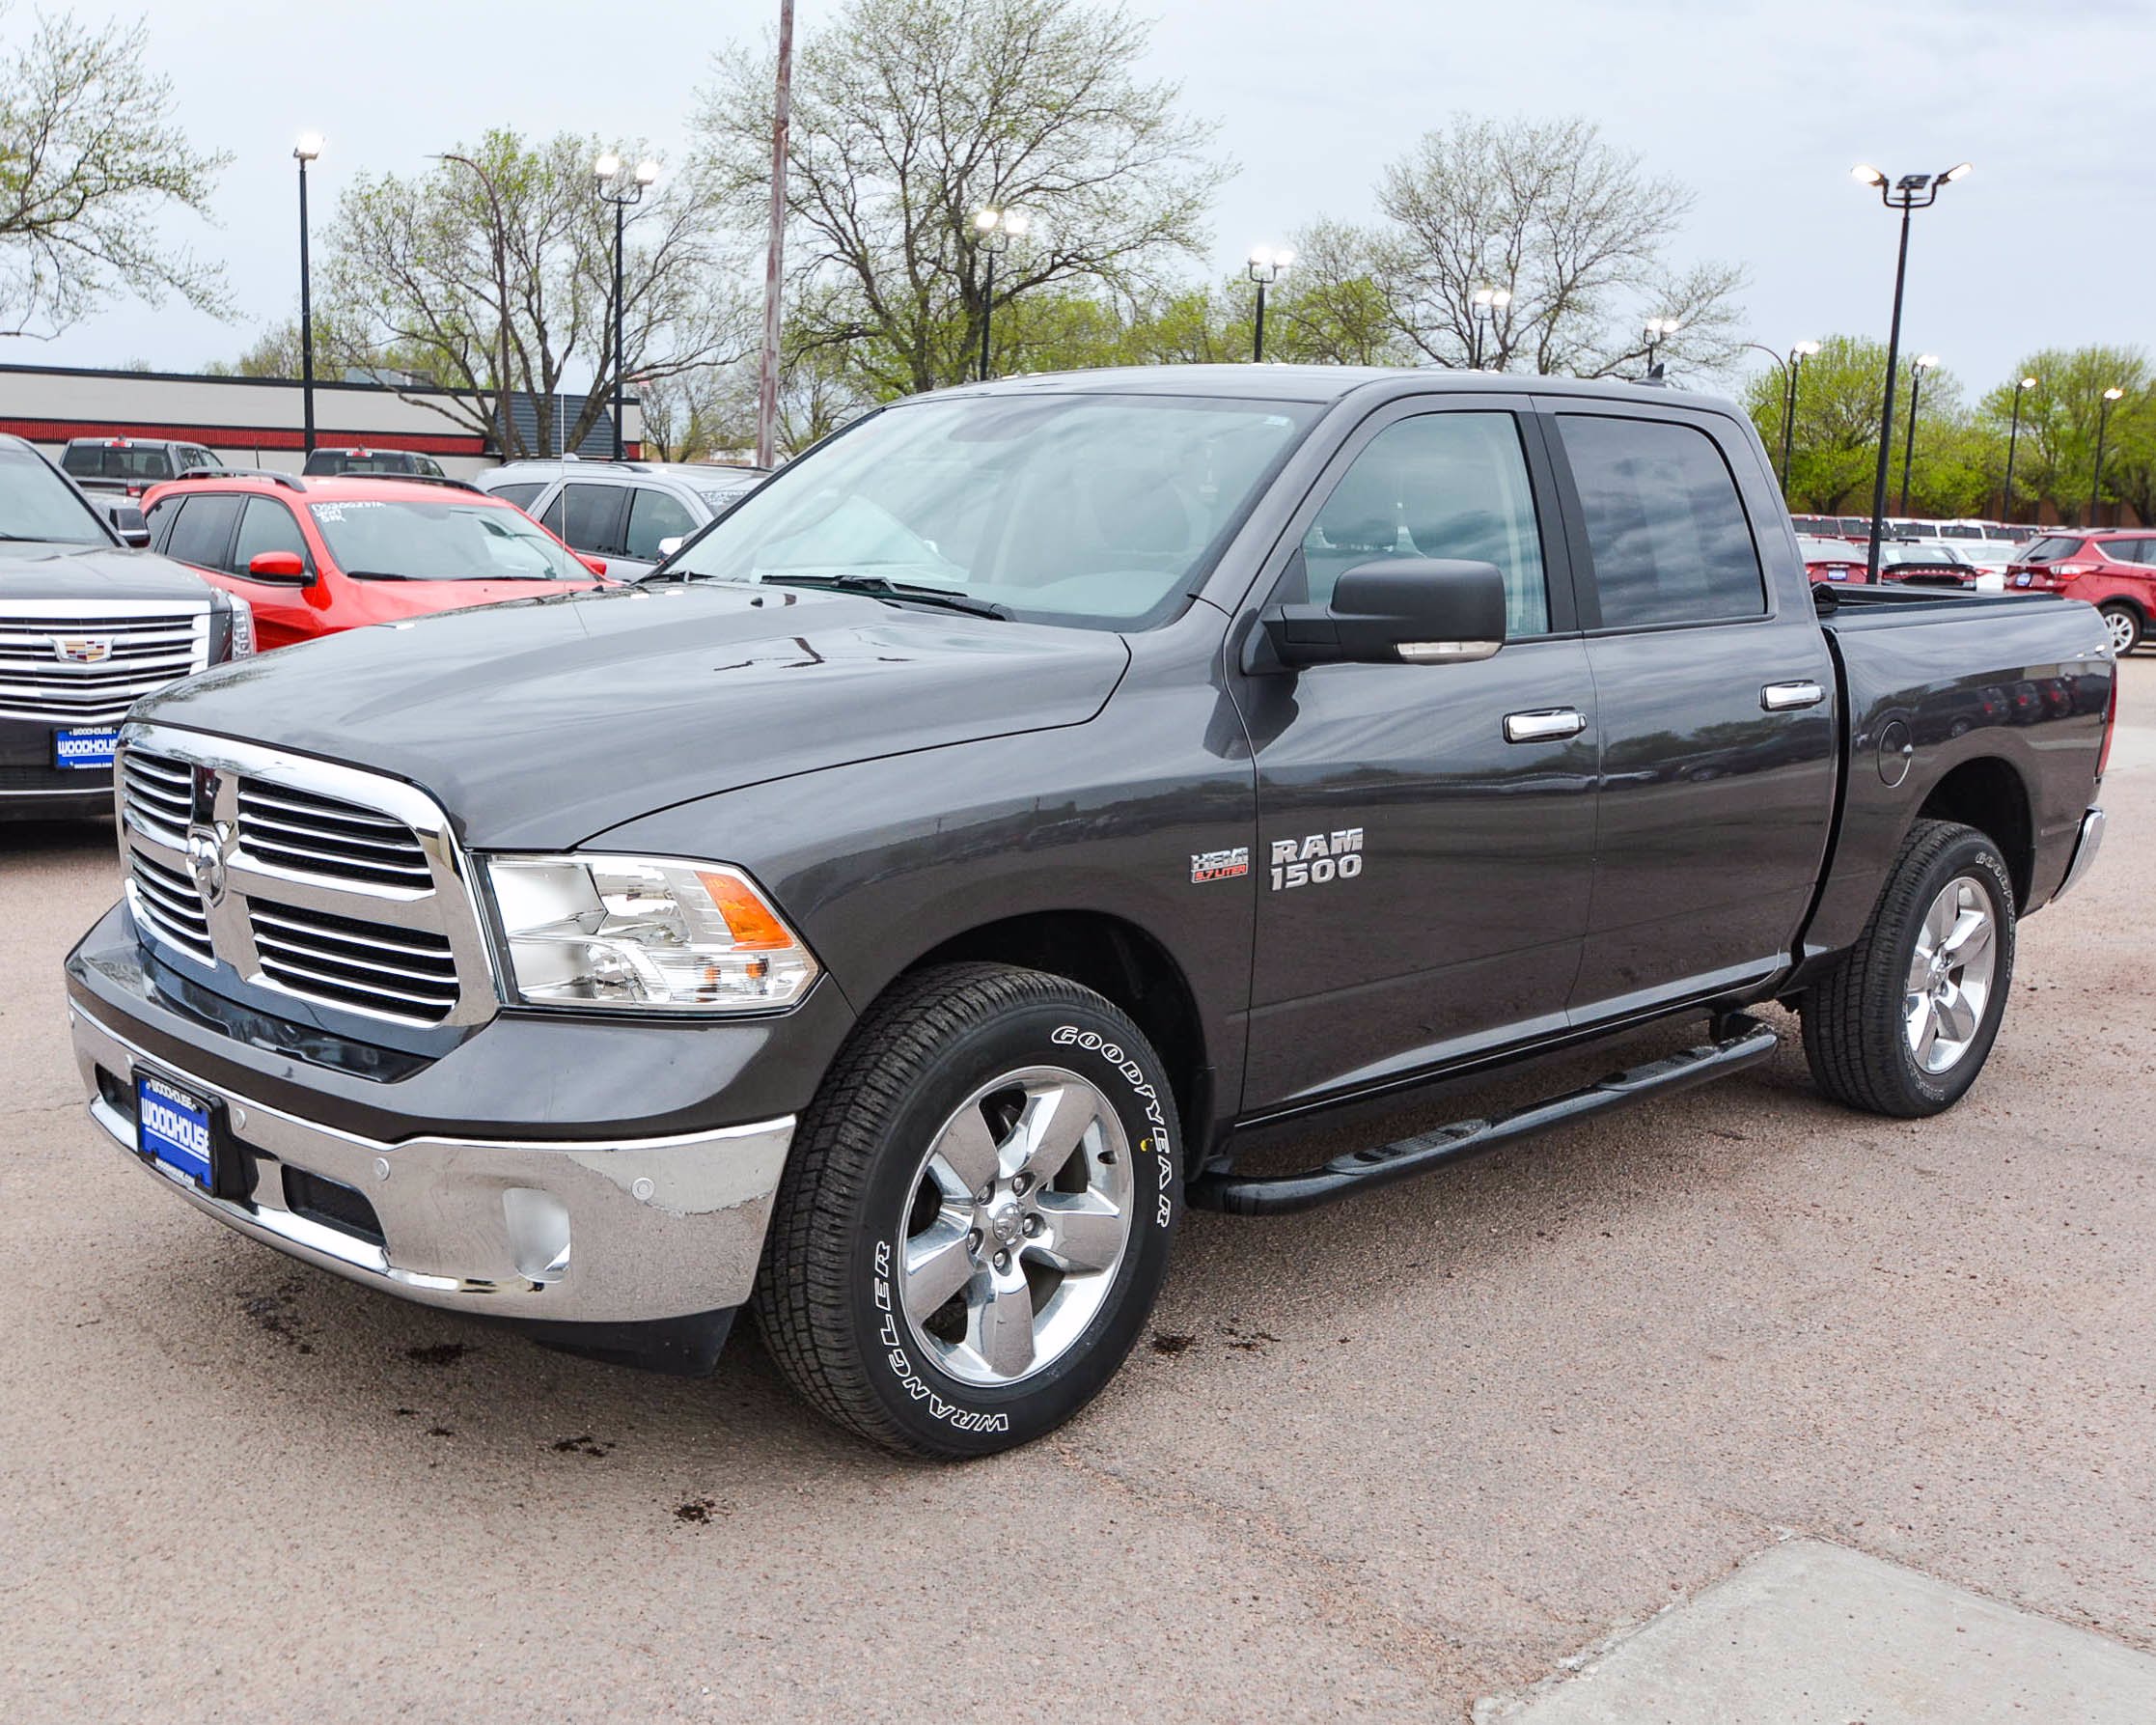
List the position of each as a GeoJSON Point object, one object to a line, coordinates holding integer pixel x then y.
{"type": "Point", "coordinates": [2052, 549]}
{"type": "Point", "coordinates": [1666, 533]}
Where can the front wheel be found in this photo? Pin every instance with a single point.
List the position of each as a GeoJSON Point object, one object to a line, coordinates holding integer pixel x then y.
{"type": "Point", "coordinates": [976, 1217]}
{"type": "Point", "coordinates": [2124, 623]}
{"type": "Point", "coordinates": [1906, 1019]}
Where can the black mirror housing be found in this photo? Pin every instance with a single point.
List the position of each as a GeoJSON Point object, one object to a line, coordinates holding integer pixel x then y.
{"type": "Point", "coordinates": [1400, 610]}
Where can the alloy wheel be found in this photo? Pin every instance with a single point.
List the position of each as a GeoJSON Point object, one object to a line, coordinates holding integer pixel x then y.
{"type": "Point", "coordinates": [1950, 975]}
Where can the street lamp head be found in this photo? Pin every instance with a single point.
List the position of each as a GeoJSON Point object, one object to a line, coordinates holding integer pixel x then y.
{"type": "Point", "coordinates": [1268, 261]}
{"type": "Point", "coordinates": [309, 146]}
{"type": "Point", "coordinates": [1661, 326]}
{"type": "Point", "coordinates": [1492, 299]}
{"type": "Point", "coordinates": [2113, 393]}
{"type": "Point", "coordinates": [646, 172]}
{"type": "Point", "coordinates": [2028, 383]}
{"type": "Point", "coordinates": [985, 218]}
{"type": "Point", "coordinates": [1959, 171]}
{"type": "Point", "coordinates": [607, 168]}
{"type": "Point", "coordinates": [1866, 175]}
{"type": "Point", "coordinates": [1924, 362]}
{"type": "Point", "coordinates": [1805, 349]}
{"type": "Point", "coordinates": [1016, 222]}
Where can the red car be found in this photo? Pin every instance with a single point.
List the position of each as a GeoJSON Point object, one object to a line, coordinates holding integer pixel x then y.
{"type": "Point", "coordinates": [1834, 560]}
{"type": "Point", "coordinates": [2113, 570]}
{"type": "Point", "coordinates": [314, 556]}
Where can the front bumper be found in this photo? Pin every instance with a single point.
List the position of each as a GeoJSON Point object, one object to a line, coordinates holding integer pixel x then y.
{"type": "Point", "coordinates": [626, 1231]}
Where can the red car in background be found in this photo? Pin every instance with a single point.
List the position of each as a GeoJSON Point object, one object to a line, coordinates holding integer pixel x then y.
{"type": "Point", "coordinates": [314, 556]}
{"type": "Point", "coordinates": [2113, 570]}
{"type": "Point", "coordinates": [1834, 560]}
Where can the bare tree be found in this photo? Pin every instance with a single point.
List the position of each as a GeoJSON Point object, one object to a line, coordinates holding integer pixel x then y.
{"type": "Point", "coordinates": [494, 273]}
{"type": "Point", "coordinates": [89, 162]}
{"type": "Point", "coordinates": [908, 116]}
{"type": "Point", "coordinates": [1570, 227]}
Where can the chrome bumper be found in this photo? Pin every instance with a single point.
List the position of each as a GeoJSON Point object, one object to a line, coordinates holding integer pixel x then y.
{"type": "Point", "coordinates": [2086, 847]}
{"type": "Point", "coordinates": [578, 1233]}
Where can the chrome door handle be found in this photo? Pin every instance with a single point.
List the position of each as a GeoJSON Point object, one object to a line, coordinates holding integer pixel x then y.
{"type": "Point", "coordinates": [1550, 724]}
{"type": "Point", "coordinates": [1790, 697]}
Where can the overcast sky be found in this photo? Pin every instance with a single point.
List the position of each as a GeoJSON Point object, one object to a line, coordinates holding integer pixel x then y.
{"type": "Point", "coordinates": [1760, 108]}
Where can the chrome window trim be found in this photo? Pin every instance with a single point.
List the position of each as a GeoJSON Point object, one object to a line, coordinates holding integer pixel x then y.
{"type": "Point", "coordinates": [448, 906]}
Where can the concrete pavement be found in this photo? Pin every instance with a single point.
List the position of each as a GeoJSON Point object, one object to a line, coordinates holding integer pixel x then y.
{"type": "Point", "coordinates": [1383, 1460]}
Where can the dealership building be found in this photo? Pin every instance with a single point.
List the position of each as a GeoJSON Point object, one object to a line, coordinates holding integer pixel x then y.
{"type": "Point", "coordinates": [256, 421]}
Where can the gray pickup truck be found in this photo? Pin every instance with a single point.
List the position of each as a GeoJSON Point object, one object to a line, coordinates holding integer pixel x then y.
{"type": "Point", "coordinates": [957, 858]}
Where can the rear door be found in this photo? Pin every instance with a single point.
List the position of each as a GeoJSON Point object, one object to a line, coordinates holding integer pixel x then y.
{"type": "Point", "coordinates": [1425, 832]}
{"type": "Point", "coordinates": [1715, 694]}
{"type": "Point", "coordinates": [589, 517]}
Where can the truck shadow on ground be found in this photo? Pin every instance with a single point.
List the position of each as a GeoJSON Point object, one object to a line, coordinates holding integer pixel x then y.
{"type": "Point", "coordinates": [471, 1396]}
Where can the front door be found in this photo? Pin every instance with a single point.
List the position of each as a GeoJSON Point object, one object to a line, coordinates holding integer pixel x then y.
{"type": "Point", "coordinates": [1425, 832]}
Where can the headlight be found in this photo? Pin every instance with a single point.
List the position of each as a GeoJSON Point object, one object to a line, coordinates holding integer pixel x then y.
{"type": "Point", "coordinates": [242, 628]}
{"type": "Point", "coordinates": [650, 932]}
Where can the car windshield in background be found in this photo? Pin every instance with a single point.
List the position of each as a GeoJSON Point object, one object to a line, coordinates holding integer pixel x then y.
{"type": "Point", "coordinates": [1959, 530]}
{"type": "Point", "coordinates": [38, 504]}
{"type": "Point", "coordinates": [92, 460]}
{"type": "Point", "coordinates": [1099, 510]}
{"type": "Point", "coordinates": [441, 541]}
{"type": "Point", "coordinates": [1931, 554]}
{"type": "Point", "coordinates": [2050, 550]}
{"type": "Point", "coordinates": [1827, 550]}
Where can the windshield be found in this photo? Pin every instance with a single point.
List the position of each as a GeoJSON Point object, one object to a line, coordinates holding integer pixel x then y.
{"type": "Point", "coordinates": [2050, 550]}
{"type": "Point", "coordinates": [37, 504]}
{"type": "Point", "coordinates": [1932, 554]}
{"type": "Point", "coordinates": [104, 461]}
{"type": "Point", "coordinates": [464, 541]}
{"type": "Point", "coordinates": [1099, 510]}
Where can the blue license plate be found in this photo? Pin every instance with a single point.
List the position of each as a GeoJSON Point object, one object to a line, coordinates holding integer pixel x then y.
{"type": "Point", "coordinates": [171, 1127]}
{"type": "Point", "coordinates": [2021, 580]}
{"type": "Point", "coordinates": [85, 746]}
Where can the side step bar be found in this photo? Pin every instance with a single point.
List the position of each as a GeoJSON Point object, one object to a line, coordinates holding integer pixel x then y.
{"type": "Point", "coordinates": [1743, 1041]}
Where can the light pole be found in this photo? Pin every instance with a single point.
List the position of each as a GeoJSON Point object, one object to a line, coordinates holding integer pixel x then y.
{"type": "Point", "coordinates": [1788, 368]}
{"type": "Point", "coordinates": [1267, 265]}
{"type": "Point", "coordinates": [1657, 331]}
{"type": "Point", "coordinates": [997, 229]}
{"type": "Point", "coordinates": [1912, 191]}
{"type": "Point", "coordinates": [306, 150]}
{"type": "Point", "coordinates": [2013, 437]}
{"type": "Point", "coordinates": [1918, 366]}
{"type": "Point", "coordinates": [2103, 425]}
{"type": "Point", "coordinates": [1483, 306]}
{"type": "Point", "coordinates": [606, 172]}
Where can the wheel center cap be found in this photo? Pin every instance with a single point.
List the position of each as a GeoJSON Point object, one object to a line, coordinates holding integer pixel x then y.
{"type": "Point", "coordinates": [1005, 1227]}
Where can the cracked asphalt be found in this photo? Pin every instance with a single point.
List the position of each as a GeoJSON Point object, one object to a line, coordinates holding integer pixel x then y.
{"type": "Point", "coordinates": [1385, 1459]}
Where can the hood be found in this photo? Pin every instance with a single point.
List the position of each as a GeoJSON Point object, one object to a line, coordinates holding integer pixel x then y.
{"type": "Point", "coordinates": [91, 571]}
{"type": "Point", "coordinates": [542, 722]}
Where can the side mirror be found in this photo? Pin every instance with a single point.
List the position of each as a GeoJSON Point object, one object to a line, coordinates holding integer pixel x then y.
{"type": "Point", "coordinates": [1404, 610]}
{"type": "Point", "coordinates": [277, 566]}
{"type": "Point", "coordinates": [670, 544]}
{"type": "Point", "coordinates": [136, 536]}
{"type": "Point", "coordinates": [597, 565]}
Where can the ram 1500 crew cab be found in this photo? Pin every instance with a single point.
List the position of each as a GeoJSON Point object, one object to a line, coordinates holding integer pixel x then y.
{"type": "Point", "coordinates": [893, 913]}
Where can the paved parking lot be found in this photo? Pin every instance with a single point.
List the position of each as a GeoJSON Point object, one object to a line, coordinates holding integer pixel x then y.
{"type": "Point", "coordinates": [1385, 1459]}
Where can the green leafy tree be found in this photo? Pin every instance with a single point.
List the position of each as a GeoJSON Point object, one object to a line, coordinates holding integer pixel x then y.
{"type": "Point", "coordinates": [2056, 462]}
{"type": "Point", "coordinates": [91, 165]}
{"type": "Point", "coordinates": [909, 116]}
{"type": "Point", "coordinates": [1834, 443]}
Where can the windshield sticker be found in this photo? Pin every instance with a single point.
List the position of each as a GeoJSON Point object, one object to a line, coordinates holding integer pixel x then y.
{"type": "Point", "coordinates": [335, 512]}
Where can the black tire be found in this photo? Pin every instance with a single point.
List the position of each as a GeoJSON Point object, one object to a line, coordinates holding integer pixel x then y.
{"type": "Point", "coordinates": [2122, 620]}
{"type": "Point", "coordinates": [1855, 1036]}
{"type": "Point", "coordinates": [828, 1300]}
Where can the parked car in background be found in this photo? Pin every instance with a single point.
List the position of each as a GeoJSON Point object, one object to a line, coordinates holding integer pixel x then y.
{"type": "Point", "coordinates": [328, 462]}
{"type": "Point", "coordinates": [315, 556]}
{"type": "Point", "coordinates": [2114, 570]}
{"type": "Point", "coordinates": [1915, 563]}
{"type": "Point", "coordinates": [130, 465]}
{"type": "Point", "coordinates": [87, 626]}
{"type": "Point", "coordinates": [631, 512]}
{"type": "Point", "coordinates": [1834, 560]}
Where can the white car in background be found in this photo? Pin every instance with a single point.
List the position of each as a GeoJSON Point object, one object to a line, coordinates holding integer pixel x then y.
{"type": "Point", "coordinates": [629, 515]}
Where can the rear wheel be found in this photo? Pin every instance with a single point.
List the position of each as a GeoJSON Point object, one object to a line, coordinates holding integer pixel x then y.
{"type": "Point", "coordinates": [1905, 1021]}
{"type": "Point", "coordinates": [976, 1217]}
{"type": "Point", "coordinates": [2124, 623]}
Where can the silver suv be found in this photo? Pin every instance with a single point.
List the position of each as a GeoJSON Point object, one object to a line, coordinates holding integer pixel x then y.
{"type": "Point", "coordinates": [627, 514]}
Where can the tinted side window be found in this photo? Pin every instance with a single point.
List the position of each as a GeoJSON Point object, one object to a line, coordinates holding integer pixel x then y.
{"type": "Point", "coordinates": [552, 520]}
{"type": "Point", "coordinates": [79, 459]}
{"type": "Point", "coordinates": [1439, 485]}
{"type": "Point", "coordinates": [593, 513]}
{"type": "Point", "coordinates": [654, 515]}
{"type": "Point", "coordinates": [522, 493]}
{"type": "Point", "coordinates": [268, 526]}
{"type": "Point", "coordinates": [1664, 526]}
{"type": "Point", "coordinates": [203, 531]}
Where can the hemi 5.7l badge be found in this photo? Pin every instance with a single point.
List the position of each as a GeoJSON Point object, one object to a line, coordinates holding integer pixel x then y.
{"type": "Point", "coordinates": [1219, 865]}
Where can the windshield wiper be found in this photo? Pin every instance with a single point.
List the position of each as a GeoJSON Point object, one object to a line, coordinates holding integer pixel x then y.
{"type": "Point", "coordinates": [883, 587]}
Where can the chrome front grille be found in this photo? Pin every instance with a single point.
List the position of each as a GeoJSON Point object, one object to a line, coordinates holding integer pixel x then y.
{"type": "Point", "coordinates": [81, 662]}
{"type": "Point", "coordinates": [172, 904]}
{"type": "Point", "coordinates": [305, 879]}
{"type": "Point", "coordinates": [356, 964]}
{"type": "Point", "coordinates": [327, 838]}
